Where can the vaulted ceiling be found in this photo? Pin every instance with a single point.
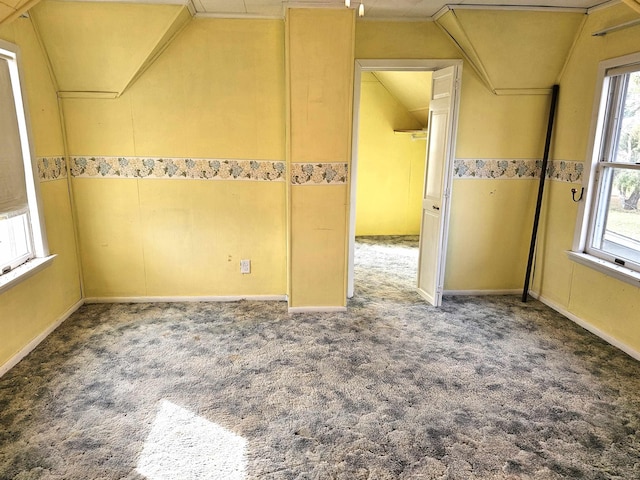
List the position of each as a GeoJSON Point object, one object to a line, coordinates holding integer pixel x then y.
{"type": "Point", "coordinates": [98, 48]}
{"type": "Point", "coordinates": [493, 39]}
{"type": "Point", "coordinates": [373, 8]}
{"type": "Point", "coordinates": [408, 9]}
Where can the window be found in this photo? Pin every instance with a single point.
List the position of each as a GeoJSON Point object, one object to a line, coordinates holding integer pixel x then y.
{"type": "Point", "coordinates": [611, 223]}
{"type": "Point", "coordinates": [614, 230]}
{"type": "Point", "coordinates": [21, 228]}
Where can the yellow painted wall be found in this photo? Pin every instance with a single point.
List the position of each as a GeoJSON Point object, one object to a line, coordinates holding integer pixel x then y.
{"type": "Point", "coordinates": [553, 270]}
{"type": "Point", "coordinates": [493, 126]}
{"type": "Point", "coordinates": [32, 306]}
{"type": "Point", "coordinates": [186, 105]}
{"type": "Point", "coordinates": [318, 238]}
{"type": "Point", "coordinates": [382, 39]}
{"type": "Point", "coordinates": [491, 220]}
{"type": "Point", "coordinates": [489, 127]}
{"type": "Point", "coordinates": [390, 165]}
{"type": "Point", "coordinates": [320, 66]}
{"type": "Point", "coordinates": [489, 234]}
{"type": "Point", "coordinates": [174, 238]}
{"type": "Point", "coordinates": [320, 46]}
{"type": "Point", "coordinates": [605, 303]}
{"type": "Point", "coordinates": [216, 92]}
{"type": "Point", "coordinates": [152, 237]}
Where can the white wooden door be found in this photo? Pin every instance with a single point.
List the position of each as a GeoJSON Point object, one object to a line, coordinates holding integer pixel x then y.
{"type": "Point", "coordinates": [435, 199]}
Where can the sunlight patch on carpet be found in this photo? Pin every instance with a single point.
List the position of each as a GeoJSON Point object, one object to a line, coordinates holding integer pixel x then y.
{"type": "Point", "coordinates": [186, 446]}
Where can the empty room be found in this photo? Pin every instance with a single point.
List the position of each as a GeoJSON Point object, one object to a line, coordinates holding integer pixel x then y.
{"type": "Point", "coordinates": [389, 239]}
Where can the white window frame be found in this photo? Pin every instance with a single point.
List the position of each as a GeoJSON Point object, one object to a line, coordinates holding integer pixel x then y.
{"type": "Point", "coordinates": [39, 257]}
{"type": "Point", "coordinates": [581, 250]}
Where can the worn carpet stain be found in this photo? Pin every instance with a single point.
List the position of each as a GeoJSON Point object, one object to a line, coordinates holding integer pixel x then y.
{"type": "Point", "coordinates": [482, 388]}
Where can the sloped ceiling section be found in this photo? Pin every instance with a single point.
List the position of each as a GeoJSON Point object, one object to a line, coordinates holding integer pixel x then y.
{"type": "Point", "coordinates": [10, 9]}
{"type": "Point", "coordinates": [634, 4]}
{"type": "Point", "coordinates": [514, 51]}
{"type": "Point", "coordinates": [411, 89]}
{"type": "Point", "coordinates": [99, 49]}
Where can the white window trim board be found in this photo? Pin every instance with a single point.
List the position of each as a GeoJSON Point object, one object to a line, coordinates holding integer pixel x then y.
{"type": "Point", "coordinates": [608, 268]}
{"type": "Point", "coordinates": [24, 271]}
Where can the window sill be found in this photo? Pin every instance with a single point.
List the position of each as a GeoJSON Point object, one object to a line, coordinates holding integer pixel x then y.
{"type": "Point", "coordinates": [21, 273]}
{"type": "Point", "coordinates": [616, 271]}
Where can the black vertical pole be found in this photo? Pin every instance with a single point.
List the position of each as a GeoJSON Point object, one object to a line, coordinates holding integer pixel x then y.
{"type": "Point", "coordinates": [543, 176]}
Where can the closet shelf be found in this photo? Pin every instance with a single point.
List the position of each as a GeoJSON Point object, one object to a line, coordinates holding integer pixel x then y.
{"type": "Point", "coordinates": [416, 134]}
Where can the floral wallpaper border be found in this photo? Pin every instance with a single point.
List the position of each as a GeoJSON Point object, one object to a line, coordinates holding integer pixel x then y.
{"type": "Point", "coordinates": [51, 168]}
{"type": "Point", "coordinates": [560, 170]}
{"type": "Point", "coordinates": [54, 168]}
{"type": "Point", "coordinates": [319, 173]}
{"type": "Point", "coordinates": [565, 171]}
{"type": "Point", "coordinates": [192, 168]}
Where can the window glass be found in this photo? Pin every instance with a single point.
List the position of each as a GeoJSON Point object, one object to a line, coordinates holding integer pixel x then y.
{"type": "Point", "coordinates": [628, 142]}
{"type": "Point", "coordinates": [620, 232]}
{"type": "Point", "coordinates": [15, 241]}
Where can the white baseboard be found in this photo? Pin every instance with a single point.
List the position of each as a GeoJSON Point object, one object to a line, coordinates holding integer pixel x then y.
{"type": "Point", "coordinates": [28, 348]}
{"type": "Point", "coordinates": [482, 292]}
{"type": "Point", "coordinates": [317, 309]}
{"type": "Point", "coordinates": [229, 298]}
{"type": "Point", "coordinates": [587, 326]}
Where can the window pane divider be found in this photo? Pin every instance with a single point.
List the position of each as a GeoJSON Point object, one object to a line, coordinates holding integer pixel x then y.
{"type": "Point", "coordinates": [628, 165]}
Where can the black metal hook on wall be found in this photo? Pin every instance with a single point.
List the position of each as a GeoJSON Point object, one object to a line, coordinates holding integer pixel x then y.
{"type": "Point", "coordinates": [573, 194]}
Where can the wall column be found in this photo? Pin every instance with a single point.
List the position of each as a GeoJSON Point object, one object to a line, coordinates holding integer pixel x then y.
{"type": "Point", "coordinates": [320, 64]}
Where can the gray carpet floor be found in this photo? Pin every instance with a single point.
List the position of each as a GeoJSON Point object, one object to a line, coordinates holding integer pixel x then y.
{"type": "Point", "coordinates": [481, 388]}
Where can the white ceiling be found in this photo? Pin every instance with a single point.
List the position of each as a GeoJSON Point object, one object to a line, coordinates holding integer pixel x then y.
{"type": "Point", "coordinates": [396, 9]}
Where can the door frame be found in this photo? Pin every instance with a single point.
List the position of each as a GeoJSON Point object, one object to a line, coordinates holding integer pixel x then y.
{"type": "Point", "coordinates": [362, 65]}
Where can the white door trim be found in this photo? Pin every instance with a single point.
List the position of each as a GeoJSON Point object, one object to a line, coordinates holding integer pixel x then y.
{"type": "Point", "coordinates": [391, 65]}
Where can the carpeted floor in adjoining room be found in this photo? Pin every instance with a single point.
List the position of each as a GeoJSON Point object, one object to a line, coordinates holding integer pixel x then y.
{"type": "Point", "coordinates": [482, 388]}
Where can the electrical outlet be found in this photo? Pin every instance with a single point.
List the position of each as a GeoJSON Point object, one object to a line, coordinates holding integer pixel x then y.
{"type": "Point", "coordinates": [245, 266]}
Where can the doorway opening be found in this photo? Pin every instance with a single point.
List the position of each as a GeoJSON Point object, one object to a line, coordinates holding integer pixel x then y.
{"type": "Point", "coordinates": [401, 204]}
